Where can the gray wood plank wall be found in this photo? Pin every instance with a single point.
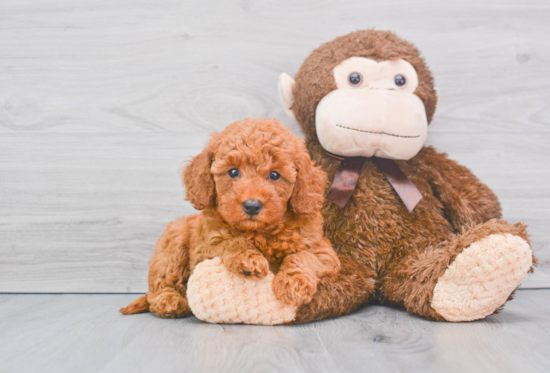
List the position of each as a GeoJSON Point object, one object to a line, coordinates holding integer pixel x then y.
{"type": "Point", "coordinates": [101, 102]}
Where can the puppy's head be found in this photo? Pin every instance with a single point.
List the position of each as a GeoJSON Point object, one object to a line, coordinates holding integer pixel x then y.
{"type": "Point", "coordinates": [252, 173]}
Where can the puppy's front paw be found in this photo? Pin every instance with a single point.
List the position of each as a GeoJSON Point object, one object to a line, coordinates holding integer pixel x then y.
{"type": "Point", "coordinates": [168, 304]}
{"type": "Point", "coordinates": [249, 263]}
{"type": "Point", "coordinates": [296, 288]}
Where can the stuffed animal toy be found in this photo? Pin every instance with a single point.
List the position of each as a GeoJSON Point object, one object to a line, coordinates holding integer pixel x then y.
{"type": "Point", "coordinates": [261, 198]}
{"type": "Point", "coordinates": [411, 227]}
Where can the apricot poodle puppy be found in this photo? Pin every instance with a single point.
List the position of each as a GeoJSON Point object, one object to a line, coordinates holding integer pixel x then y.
{"type": "Point", "coordinates": [261, 198]}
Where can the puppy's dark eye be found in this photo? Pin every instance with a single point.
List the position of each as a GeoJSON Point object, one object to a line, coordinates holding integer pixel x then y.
{"type": "Point", "coordinates": [274, 175]}
{"type": "Point", "coordinates": [400, 81]}
{"type": "Point", "coordinates": [355, 79]}
{"type": "Point", "coordinates": [233, 173]}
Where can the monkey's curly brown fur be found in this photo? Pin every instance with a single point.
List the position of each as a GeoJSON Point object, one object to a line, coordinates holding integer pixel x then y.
{"type": "Point", "coordinates": [388, 254]}
{"type": "Point", "coordinates": [286, 237]}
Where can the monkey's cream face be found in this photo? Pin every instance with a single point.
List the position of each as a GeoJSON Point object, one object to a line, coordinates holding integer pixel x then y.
{"type": "Point", "coordinates": [374, 111]}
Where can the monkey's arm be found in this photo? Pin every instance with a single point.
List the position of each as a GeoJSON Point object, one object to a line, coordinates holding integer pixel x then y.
{"type": "Point", "coordinates": [465, 199]}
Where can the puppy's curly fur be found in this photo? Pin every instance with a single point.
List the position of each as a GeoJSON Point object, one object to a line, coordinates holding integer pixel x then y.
{"type": "Point", "coordinates": [286, 236]}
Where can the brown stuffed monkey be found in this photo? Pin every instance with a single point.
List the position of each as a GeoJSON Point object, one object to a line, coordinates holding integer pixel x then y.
{"type": "Point", "coordinates": [370, 94]}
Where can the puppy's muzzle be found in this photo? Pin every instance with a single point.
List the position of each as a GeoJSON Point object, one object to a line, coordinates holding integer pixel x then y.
{"type": "Point", "coordinates": [252, 207]}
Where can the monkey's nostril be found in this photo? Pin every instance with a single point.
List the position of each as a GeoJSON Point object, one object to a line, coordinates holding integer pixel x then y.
{"type": "Point", "coordinates": [252, 207]}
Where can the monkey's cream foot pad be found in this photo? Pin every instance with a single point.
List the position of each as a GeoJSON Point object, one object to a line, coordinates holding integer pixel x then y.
{"type": "Point", "coordinates": [482, 277]}
{"type": "Point", "coordinates": [217, 295]}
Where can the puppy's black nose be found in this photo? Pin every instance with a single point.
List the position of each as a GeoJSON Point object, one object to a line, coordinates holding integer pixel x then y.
{"type": "Point", "coordinates": [252, 207]}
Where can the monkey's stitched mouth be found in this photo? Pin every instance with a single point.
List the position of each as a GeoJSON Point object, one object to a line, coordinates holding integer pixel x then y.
{"type": "Point", "coordinates": [377, 133]}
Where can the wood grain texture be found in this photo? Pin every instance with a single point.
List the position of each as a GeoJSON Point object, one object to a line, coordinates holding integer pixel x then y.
{"type": "Point", "coordinates": [101, 102]}
{"type": "Point", "coordinates": [84, 333]}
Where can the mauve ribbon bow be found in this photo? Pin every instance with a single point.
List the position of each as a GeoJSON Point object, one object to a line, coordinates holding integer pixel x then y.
{"type": "Point", "coordinates": [347, 176]}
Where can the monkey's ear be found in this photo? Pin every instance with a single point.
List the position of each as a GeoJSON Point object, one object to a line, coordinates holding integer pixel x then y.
{"type": "Point", "coordinates": [436, 101]}
{"type": "Point", "coordinates": [198, 180]}
{"type": "Point", "coordinates": [286, 86]}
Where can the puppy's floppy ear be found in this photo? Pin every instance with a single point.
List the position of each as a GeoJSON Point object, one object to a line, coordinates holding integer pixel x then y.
{"type": "Point", "coordinates": [198, 180]}
{"type": "Point", "coordinates": [309, 188]}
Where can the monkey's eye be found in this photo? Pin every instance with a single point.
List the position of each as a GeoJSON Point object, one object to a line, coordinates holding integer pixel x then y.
{"type": "Point", "coordinates": [274, 175]}
{"type": "Point", "coordinates": [233, 173]}
{"type": "Point", "coordinates": [400, 81]}
{"type": "Point", "coordinates": [355, 79]}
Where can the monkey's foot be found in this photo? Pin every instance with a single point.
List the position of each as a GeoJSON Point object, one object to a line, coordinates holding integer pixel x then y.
{"type": "Point", "coordinates": [217, 295]}
{"type": "Point", "coordinates": [482, 277]}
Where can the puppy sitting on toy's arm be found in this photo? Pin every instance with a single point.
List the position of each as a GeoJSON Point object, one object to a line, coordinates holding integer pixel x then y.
{"type": "Point", "coordinates": [261, 198]}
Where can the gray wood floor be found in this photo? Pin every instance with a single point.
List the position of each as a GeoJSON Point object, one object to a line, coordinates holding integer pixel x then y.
{"type": "Point", "coordinates": [84, 333]}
